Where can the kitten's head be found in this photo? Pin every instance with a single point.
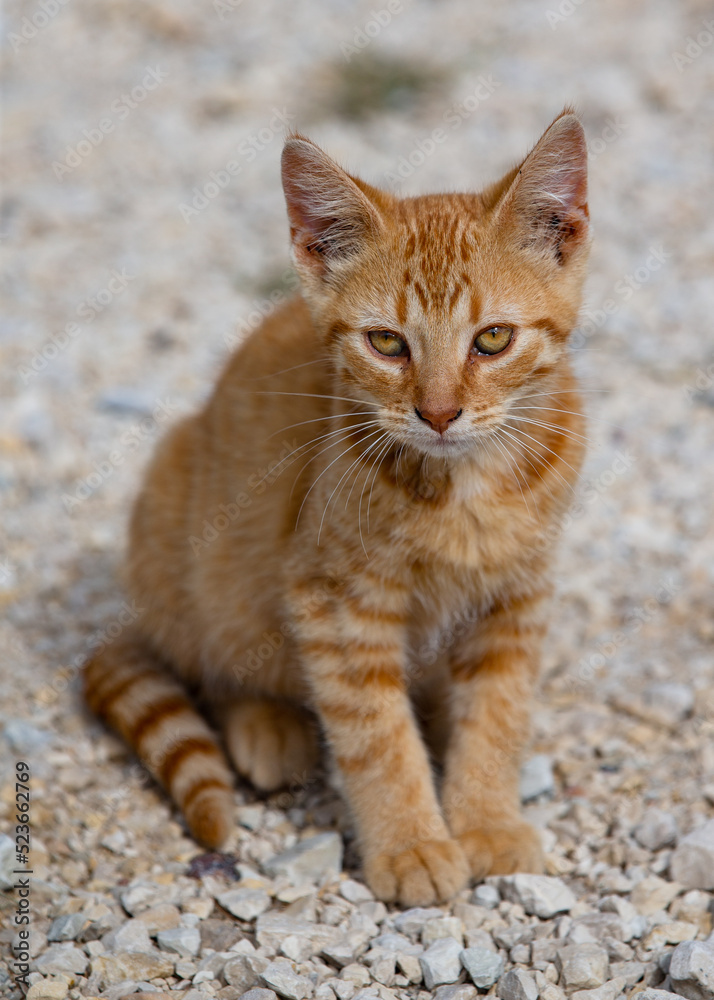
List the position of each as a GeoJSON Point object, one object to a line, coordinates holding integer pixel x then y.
{"type": "Point", "coordinates": [443, 310]}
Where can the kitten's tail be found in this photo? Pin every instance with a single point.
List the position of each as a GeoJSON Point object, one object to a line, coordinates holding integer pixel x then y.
{"type": "Point", "coordinates": [127, 686]}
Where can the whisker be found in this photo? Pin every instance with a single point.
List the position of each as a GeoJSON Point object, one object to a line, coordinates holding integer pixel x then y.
{"type": "Point", "coordinates": [537, 471]}
{"type": "Point", "coordinates": [505, 454]}
{"type": "Point", "coordinates": [342, 477]}
{"type": "Point", "coordinates": [359, 505]}
{"type": "Point", "coordinates": [326, 469]}
{"type": "Point", "coordinates": [312, 395]}
{"type": "Point", "coordinates": [327, 416]}
{"type": "Point", "coordinates": [572, 413]}
{"type": "Point", "coordinates": [530, 436]}
{"type": "Point", "coordinates": [566, 431]}
{"type": "Point", "coordinates": [283, 371]}
{"type": "Point", "coordinates": [381, 456]}
{"type": "Point", "coordinates": [309, 445]}
{"type": "Point", "coordinates": [531, 450]}
{"type": "Point", "coordinates": [335, 433]}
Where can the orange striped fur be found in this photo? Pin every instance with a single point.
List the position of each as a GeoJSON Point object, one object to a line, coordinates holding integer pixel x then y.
{"type": "Point", "coordinates": [301, 543]}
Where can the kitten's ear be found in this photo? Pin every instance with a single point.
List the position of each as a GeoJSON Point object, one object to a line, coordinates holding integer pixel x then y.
{"type": "Point", "coordinates": [548, 198]}
{"type": "Point", "coordinates": [331, 218]}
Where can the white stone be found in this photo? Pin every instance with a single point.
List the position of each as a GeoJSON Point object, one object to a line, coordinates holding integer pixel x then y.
{"type": "Point", "coordinates": [536, 777]}
{"type": "Point", "coordinates": [542, 895]}
{"type": "Point", "coordinates": [61, 958]}
{"type": "Point", "coordinates": [582, 966]}
{"type": "Point", "coordinates": [184, 941]}
{"type": "Point", "coordinates": [608, 991]}
{"type": "Point", "coordinates": [7, 862]}
{"type": "Point", "coordinates": [517, 985]}
{"type": "Point", "coordinates": [442, 927]}
{"type": "Point", "coordinates": [309, 860]}
{"type": "Point", "coordinates": [355, 892]}
{"type": "Point", "coordinates": [656, 829]}
{"type": "Point", "coordinates": [246, 904]}
{"type": "Point", "coordinates": [692, 862]}
{"type": "Point", "coordinates": [133, 935]}
{"type": "Point", "coordinates": [484, 966]}
{"type": "Point", "coordinates": [412, 921]}
{"type": "Point", "coordinates": [691, 969]}
{"type": "Point", "coordinates": [281, 977]}
{"type": "Point", "coordinates": [67, 927]}
{"type": "Point", "coordinates": [486, 895]}
{"type": "Point", "coordinates": [672, 700]}
{"type": "Point", "coordinates": [441, 963]}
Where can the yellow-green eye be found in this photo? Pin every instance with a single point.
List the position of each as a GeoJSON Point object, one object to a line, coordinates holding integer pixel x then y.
{"type": "Point", "coordinates": [494, 340]}
{"type": "Point", "coordinates": [388, 344]}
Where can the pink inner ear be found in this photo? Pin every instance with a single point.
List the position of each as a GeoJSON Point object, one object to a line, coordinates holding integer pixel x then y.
{"type": "Point", "coordinates": [329, 215]}
{"type": "Point", "coordinates": [552, 188]}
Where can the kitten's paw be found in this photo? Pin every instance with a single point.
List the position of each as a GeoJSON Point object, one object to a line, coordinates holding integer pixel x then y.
{"type": "Point", "coordinates": [431, 872]}
{"type": "Point", "coordinates": [503, 850]}
{"type": "Point", "coordinates": [272, 744]}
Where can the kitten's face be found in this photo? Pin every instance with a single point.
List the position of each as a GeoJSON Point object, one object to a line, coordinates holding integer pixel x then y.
{"type": "Point", "coordinates": [443, 311]}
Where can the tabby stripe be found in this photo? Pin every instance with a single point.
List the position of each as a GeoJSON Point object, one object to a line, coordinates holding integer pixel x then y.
{"type": "Point", "coordinates": [202, 785]}
{"type": "Point", "coordinates": [155, 714]}
{"type": "Point", "coordinates": [186, 748]}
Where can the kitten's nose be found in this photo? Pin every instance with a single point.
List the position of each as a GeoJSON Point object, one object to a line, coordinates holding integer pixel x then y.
{"type": "Point", "coordinates": [438, 419]}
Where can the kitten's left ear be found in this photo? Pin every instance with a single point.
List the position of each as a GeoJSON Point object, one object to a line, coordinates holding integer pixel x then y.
{"type": "Point", "coordinates": [331, 217]}
{"type": "Point", "coordinates": [548, 199]}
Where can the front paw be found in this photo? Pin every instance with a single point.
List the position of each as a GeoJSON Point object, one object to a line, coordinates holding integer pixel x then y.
{"type": "Point", "coordinates": [503, 850]}
{"type": "Point", "coordinates": [430, 872]}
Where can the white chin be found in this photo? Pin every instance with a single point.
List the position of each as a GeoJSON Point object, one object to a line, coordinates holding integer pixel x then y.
{"type": "Point", "coordinates": [441, 447]}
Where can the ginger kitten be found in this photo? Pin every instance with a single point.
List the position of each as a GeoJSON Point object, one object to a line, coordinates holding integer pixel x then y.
{"type": "Point", "coordinates": [423, 380]}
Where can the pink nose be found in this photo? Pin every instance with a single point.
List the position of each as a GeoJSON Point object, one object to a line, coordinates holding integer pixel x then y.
{"type": "Point", "coordinates": [439, 420]}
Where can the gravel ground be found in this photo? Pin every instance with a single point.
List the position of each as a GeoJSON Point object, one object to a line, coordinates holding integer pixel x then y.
{"type": "Point", "coordinates": [125, 279]}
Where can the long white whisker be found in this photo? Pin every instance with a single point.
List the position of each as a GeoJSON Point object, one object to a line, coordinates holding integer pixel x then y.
{"type": "Point", "coordinates": [313, 443]}
{"type": "Point", "coordinates": [326, 469]}
{"type": "Point", "coordinates": [536, 454]}
{"type": "Point", "coordinates": [501, 448]}
{"type": "Point", "coordinates": [284, 371]}
{"type": "Point", "coordinates": [382, 455]}
{"type": "Point", "coordinates": [327, 416]}
{"type": "Point", "coordinates": [359, 505]}
{"type": "Point", "coordinates": [341, 479]}
{"type": "Point", "coordinates": [345, 431]}
{"type": "Point", "coordinates": [530, 436]}
{"type": "Point", "coordinates": [312, 395]}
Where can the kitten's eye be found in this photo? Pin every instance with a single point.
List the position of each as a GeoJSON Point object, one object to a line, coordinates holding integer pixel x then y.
{"type": "Point", "coordinates": [494, 340]}
{"type": "Point", "coordinates": [388, 344]}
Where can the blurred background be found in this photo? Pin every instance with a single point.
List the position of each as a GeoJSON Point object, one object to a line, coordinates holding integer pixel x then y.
{"type": "Point", "coordinates": [143, 233]}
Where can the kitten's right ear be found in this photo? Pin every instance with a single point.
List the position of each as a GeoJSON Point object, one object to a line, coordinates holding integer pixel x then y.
{"type": "Point", "coordinates": [546, 198]}
{"type": "Point", "coordinates": [331, 218]}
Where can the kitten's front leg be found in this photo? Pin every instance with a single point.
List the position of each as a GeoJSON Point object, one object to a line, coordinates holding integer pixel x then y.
{"type": "Point", "coordinates": [353, 649]}
{"type": "Point", "coordinates": [494, 668]}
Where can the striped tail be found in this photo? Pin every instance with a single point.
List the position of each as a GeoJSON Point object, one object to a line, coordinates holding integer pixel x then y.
{"type": "Point", "coordinates": [125, 685]}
